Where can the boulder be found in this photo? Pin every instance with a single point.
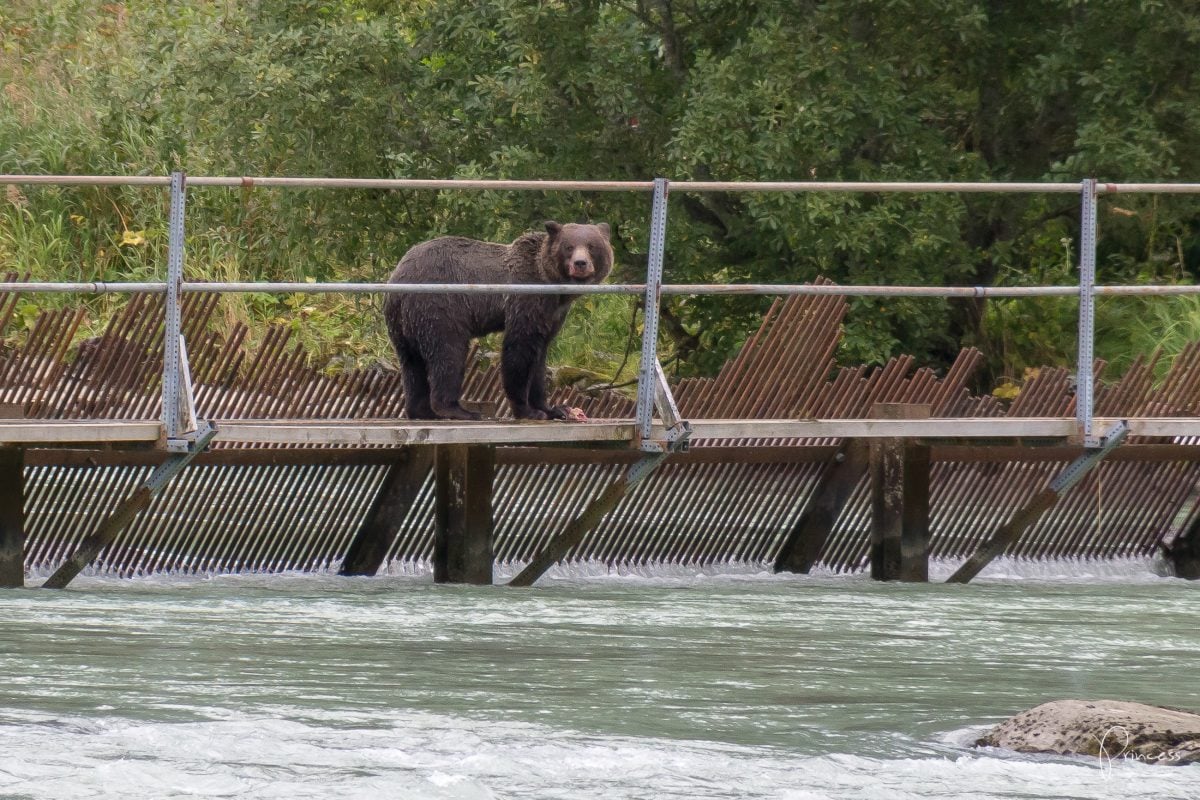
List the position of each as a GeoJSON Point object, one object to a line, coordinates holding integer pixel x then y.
{"type": "Point", "coordinates": [1106, 729]}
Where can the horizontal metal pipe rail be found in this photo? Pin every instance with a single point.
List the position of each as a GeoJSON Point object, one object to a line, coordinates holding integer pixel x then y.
{"type": "Point", "coordinates": [933, 187]}
{"type": "Point", "coordinates": [847, 290]}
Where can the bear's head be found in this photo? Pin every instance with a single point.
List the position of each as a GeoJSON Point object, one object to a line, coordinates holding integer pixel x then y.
{"type": "Point", "coordinates": [581, 253]}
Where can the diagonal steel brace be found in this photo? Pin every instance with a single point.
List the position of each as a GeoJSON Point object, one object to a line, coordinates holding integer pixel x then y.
{"type": "Point", "coordinates": [119, 520]}
{"type": "Point", "coordinates": [1041, 503]}
{"type": "Point", "coordinates": [588, 519]}
{"type": "Point", "coordinates": [655, 453]}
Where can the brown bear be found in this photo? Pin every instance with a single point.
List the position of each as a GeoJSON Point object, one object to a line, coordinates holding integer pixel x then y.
{"type": "Point", "coordinates": [432, 332]}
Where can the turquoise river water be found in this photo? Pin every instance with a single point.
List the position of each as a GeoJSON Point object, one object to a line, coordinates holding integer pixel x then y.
{"type": "Point", "coordinates": [682, 685]}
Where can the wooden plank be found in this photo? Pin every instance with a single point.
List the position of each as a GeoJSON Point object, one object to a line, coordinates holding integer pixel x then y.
{"type": "Point", "coordinates": [968, 428]}
{"type": "Point", "coordinates": [462, 548]}
{"type": "Point", "coordinates": [392, 433]}
{"type": "Point", "coordinates": [764, 454]}
{"type": "Point", "coordinates": [12, 529]}
{"type": "Point", "coordinates": [35, 432]}
{"type": "Point", "coordinates": [396, 495]}
{"type": "Point", "coordinates": [594, 453]}
{"type": "Point", "coordinates": [376, 433]}
{"type": "Point", "coordinates": [803, 544]}
{"type": "Point", "coordinates": [397, 433]}
{"type": "Point", "coordinates": [1164, 426]}
{"type": "Point", "coordinates": [938, 428]}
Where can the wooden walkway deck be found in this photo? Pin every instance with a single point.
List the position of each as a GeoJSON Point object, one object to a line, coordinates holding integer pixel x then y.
{"type": "Point", "coordinates": [395, 433]}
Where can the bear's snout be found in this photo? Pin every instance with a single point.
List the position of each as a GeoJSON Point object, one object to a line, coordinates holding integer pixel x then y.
{"type": "Point", "coordinates": [582, 268]}
{"type": "Point", "coordinates": [580, 264]}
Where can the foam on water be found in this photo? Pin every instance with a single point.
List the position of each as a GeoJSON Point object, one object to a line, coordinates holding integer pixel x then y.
{"type": "Point", "coordinates": [427, 755]}
{"type": "Point", "coordinates": [1121, 570]}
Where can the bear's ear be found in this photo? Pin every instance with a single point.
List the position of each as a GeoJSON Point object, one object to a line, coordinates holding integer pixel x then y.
{"type": "Point", "coordinates": [603, 226]}
{"type": "Point", "coordinates": [553, 228]}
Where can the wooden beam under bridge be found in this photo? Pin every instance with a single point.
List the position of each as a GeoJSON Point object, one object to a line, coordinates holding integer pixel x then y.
{"type": "Point", "coordinates": [116, 522]}
{"type": "Point", "coordinates": [899, 469]}
{"type": "Point", "coordinates": [590, 517]}
{"type": "Point", "coordinates": [1031, 452]}
{"type": "Point", "coordinates": [802, 546]}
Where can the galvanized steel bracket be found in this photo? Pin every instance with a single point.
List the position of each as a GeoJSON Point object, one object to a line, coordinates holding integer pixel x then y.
{"type": "Point", "coordinates": [1085, 361]}
{"type": "Point", "coordinates": [189, 427]}
{"type": "Point", "coordinates": [1091, 456]}
{"type": "Point", "coordinates": [678, 430]}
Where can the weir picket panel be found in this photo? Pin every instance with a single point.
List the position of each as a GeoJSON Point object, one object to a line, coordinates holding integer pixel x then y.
{"type": "Point", "coordinates": [279, 505]}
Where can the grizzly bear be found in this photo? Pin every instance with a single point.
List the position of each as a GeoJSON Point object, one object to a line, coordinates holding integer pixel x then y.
{"type": "Point", "coordinates": [432, 332]}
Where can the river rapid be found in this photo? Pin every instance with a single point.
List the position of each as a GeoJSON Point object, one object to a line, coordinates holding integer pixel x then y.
{"type": "Point", "coordinates": [734, 684]}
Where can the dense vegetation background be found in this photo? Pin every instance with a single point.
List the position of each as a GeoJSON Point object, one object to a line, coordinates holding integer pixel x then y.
{"type": "Point", "coordinates": [978, 90]}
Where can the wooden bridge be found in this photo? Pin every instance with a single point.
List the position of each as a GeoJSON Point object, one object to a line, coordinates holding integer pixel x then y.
{"type": "Point", "coordinates": [779, 460]}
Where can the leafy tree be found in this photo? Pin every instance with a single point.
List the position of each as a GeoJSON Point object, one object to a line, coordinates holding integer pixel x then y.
{"type": "Point", "coordinates": [960, 90]}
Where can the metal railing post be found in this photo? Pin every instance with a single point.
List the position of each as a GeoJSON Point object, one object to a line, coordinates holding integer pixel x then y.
{"type": "Point", "coordinates": [647, 373]}
{"type": "Point", "coordinates": [174, 322]}
{"type": "Point", "coordinates": [1084, 395]}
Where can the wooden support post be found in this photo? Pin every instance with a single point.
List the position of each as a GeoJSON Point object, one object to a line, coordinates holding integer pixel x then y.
{"type": "Point", "coordinates": [899, 471]}
{"type": "Point", "coordinates": [12, 529]}
{"type": "Point", "coordinates": [462, 547]}
{"type": "Point", "coordinates": [396, 495]}
{"type": "Point", "coordinates": [803, 544]}
{"type": "Point", "coordinates": [1184, 555]}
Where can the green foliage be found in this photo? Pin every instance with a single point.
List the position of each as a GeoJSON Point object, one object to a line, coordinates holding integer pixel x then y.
{"type": "Point", "coordinates": [709, 89]}
{"type": "Point", "coordinates": [1146, 326]}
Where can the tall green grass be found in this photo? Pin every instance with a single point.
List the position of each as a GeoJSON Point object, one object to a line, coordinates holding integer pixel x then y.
{"type": "Point", "coordinates": [88, 87]}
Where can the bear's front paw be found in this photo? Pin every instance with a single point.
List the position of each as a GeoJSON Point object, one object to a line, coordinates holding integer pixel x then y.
{"type": "Point", "coordinates": [557, 412]}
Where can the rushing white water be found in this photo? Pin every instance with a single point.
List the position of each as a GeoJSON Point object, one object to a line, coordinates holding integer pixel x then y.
{"type": "Point", "coordinates": [737, 685]}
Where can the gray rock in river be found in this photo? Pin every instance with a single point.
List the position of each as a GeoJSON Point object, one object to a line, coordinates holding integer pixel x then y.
{"type": "Point", "coordinates": [1107, 729]}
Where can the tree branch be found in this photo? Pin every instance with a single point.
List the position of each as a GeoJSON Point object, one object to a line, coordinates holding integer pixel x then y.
{"type": "Point", "coordinates": [672, 48]}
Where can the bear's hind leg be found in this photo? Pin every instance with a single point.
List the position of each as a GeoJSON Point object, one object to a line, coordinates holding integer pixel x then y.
{"type": "Point", "coordinates": [447, 363]}
{"type": "Point", "coordinates": [416, 384]}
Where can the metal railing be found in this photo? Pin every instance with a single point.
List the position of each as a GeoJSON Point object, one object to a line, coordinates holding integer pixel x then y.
{"type": "Point", "coordinates": [652, 290]}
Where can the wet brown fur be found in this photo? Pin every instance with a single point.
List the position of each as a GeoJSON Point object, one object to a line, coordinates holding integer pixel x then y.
{"type": "Point", "coordinates": [432, 332]}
